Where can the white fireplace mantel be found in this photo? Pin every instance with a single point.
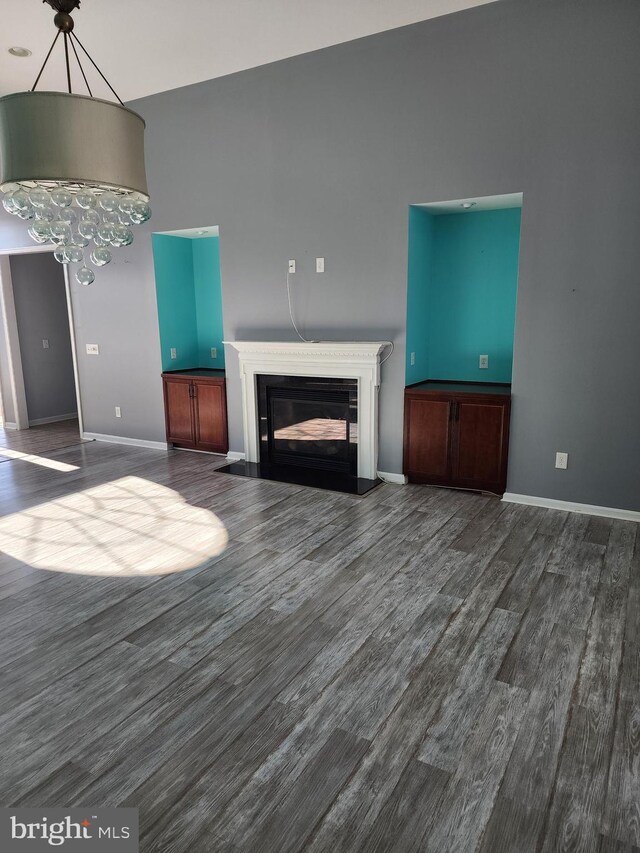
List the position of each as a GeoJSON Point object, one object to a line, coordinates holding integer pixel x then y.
{"type": "Point", "coordinates": [343, 359]}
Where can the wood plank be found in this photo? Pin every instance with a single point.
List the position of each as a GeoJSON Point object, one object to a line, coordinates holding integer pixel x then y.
{"type": "Point", "coordinates": [290, 821]}
{"type": "Point", "coordinates": [467, 801]}
{"type": "Point", "coordinates": [622, 808]}
{"type": "Point", "coordinates": [446, 738]}
{"type": "Point", "coordinates": [174, 810]}
{"type": "Point", "coordinates": [532, 766]}
{"type": "Point", "coordinates": [400, 824]}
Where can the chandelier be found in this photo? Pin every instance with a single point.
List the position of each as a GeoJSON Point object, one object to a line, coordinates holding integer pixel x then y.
{"type": "Point", "coordinates": [72, 165]}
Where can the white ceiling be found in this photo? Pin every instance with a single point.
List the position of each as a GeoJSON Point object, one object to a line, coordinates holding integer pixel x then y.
{"type": "Point", "coordinates": [487, 202]}
{"type": "Point", "coordinates": [193, 233]}
{"type": "Point", "coordinates": [150, 46]}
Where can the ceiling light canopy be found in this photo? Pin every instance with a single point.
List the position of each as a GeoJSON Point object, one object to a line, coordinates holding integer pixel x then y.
{"type": "Point", "coordinates": [73, 165]}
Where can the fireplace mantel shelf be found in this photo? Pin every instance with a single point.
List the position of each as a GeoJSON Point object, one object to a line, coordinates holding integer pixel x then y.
{"type": "Point", "coordinates": [346, 359]}
{"type": "Point", "coordinates": [319, 349]}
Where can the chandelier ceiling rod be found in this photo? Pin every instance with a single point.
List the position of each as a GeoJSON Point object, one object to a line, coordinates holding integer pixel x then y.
{"type": "Point", "coordinates": [66, 60]}
{"type": "Point", "coordinates": [84, 76]}
{"type": "Point", "coordinates": [64, 22]}
{"type": "Point", "coordinates": [53, 44]}
{"type": "Point", "coordinates": [74, 37]}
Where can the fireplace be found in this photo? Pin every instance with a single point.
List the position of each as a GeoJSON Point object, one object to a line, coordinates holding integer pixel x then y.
{"type": "Point", "coordinates": [308, 422]}
{"type": "Point", "coordinates": [310, 412]}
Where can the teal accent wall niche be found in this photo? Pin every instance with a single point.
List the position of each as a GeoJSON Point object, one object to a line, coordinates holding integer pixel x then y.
{"type": "Point", "coordinates": [462, 287]}
{"type": "Point", "coordinates": [189, 298]}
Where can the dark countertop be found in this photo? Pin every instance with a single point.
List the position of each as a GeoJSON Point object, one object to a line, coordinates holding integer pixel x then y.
{"type": "Point", "coordinates": [461, 387]}
{"type": "Point", "coordinates": [196, 371]}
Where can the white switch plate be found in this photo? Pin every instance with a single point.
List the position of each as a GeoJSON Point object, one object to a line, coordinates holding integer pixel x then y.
{"type": "Point", "coordinates": [93, 349]}
{"type": "Point", "coordinates": [45, 343]}
{"type": "Point", "coordinates": [173, 353]}
{"type": "Point", "coordinates": [292, 266]}
{"type": "Point", "coordinates": [484, 362]}
{"type": "Point", "coordinates": [413, 358]}
{"type": "Point", "coordinates": [214, 352]}
{"type": "Point", "coordinates": [118, 412]}
{"type": "Point", "coordinates": [319, 264]}
{"type": "Point", "coordinates": [562, 460]}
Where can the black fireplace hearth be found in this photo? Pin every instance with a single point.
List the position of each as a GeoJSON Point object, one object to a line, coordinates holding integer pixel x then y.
{"type": "Point", "coordinates": [308, 432]}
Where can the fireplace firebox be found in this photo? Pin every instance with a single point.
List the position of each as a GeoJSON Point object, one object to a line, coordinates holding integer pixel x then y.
{"type": "Point", "coordinates": [308, 422]}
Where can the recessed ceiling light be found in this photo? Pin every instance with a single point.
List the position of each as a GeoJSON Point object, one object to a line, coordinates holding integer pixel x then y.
{"type": "Point", "coordinates": [468, 204]}
{"type": "Point", "coordinates": [22, 52]}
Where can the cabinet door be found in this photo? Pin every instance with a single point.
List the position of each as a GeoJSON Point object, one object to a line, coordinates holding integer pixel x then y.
{"type": "Point", "coordinates": [480, 445]}
{"type": "Point", "coordinates": [211, 416]}
{"type": "Point", "coordinates": [427, 438]}
{"type": "Point", "coordinates": [178, 411]}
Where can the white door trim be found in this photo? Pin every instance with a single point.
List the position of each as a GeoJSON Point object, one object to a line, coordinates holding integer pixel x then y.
{"type": "Point", "coordinates": [15, 390]}
{"type": "Point", "coordinates": [10, 329]}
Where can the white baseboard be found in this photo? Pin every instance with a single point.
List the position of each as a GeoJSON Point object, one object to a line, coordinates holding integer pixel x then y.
{"type": "Point", "coordinates": [568, 506]}
{"type": "Point", "coordinates": [9, 425]}
{"type": "Point", "coordinates": [235, 456]}
{"type": "Point", "coordinates": [120, 439]}
{"type": "Point", "coordinates": [397, 479]}
{"type": "Point", "coordinates": [70, 416]}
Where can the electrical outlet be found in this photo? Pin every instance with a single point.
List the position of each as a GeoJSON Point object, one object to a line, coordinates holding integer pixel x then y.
{"type": "Point", "coordinates": [118, 412]}
{"type": "Point", "coordinates": [319, 264]}
{"type": "Point", "coordinates": [45, 343]}
{"type": "Point", "coordinates": [484, 362]}
{"type": "Point", "coordinates": [173, 353]}
{"type": "Point", "coordinates": [292, 266]}
{"type": "Point", "coordinates": [214, 352]}
{"type": "Point", "coordinates": [562, 460]}
{"type": "Point", "coordinates": [413, 359]}
{"type": "Point", "coordinates": [93, 349]}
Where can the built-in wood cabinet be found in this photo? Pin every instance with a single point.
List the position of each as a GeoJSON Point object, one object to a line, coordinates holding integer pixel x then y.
{"type": "Point", "coordinates": [457, 434]}
{"type": "Point", "coordinates": [195, 405]}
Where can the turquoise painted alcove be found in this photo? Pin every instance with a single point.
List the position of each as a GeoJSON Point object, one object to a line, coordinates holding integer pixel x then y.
{"type": "Point", "coordinates": [461, 298]}
{"type": "Point", "coordinates": [189, 298]}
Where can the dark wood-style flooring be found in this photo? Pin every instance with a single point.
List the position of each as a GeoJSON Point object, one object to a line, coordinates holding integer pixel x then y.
{"type": "Point", "coordinates": [38, 439]}
{"type": "Point", "coordinates": [415, 670]}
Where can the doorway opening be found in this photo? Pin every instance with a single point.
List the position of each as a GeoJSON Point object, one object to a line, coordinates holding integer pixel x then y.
{"type": "Point", "coordinates": [38, 366]}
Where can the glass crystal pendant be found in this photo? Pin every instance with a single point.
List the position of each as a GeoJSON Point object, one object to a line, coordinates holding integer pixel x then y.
{"type": "Point", "coordinates": [75, 219]}
{"type": "Point", "coordinates": [85, 276]}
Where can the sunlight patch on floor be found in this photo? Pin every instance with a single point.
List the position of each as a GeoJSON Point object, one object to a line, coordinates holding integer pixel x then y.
{"type": "Point", "coordinates": [37, 460]}
{"type": "Point", "coordinates": [129, 527]}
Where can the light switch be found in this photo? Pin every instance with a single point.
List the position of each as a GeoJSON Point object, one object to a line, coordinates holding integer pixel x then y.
{"type": "Point", "coordinates": [45, 343]}
{"type": "Point", "coordinates": [173, 353]}
{"type": "Point", "coordinates": [93, 349]}
{"type": "Point", "coordinates": [118, 412]}
{"type": "Point", "coordinates": [319, 264]}
{"type": "Point", "coordinates": [214, 352]}
{"type": "Point", "coordinates": [292, 266]}
{"type": "Point", "coordinates": [484, 362]}
{"type": "Point", "coordinates": [413, 358]}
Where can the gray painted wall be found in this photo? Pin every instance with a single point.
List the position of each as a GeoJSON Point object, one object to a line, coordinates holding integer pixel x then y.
{"type": "Point", "coordinates": [41, 313]}
{"type": "Point", "coordinates": [322, 154]}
